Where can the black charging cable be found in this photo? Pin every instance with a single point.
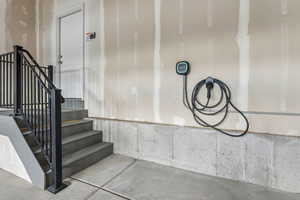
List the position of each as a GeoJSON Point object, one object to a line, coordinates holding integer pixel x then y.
{"type": "Point", "coordinates": [198, 108]}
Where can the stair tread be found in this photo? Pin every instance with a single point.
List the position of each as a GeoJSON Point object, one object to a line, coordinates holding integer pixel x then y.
{"type": "Point", "coordinates": [64, 124]}
{"type": "Point", "coordinates": [62, 111]}
{"type": "Point", "coordinates": [79, 136]}
{"type": "Point", "coordinates": [75, 122]}
{"type": "Point", "coordinates": [43, 163]}
{"type": "Point", "coordinates": [25, 133]}
{"type": "Point", "coordinates": [70, 139]}
{"type": "Point", "coordinates": [6, 112]}
{"type": "Point", "coordinates": [70, 158]}
{"type": "Point", "coordinates": [70, 110]}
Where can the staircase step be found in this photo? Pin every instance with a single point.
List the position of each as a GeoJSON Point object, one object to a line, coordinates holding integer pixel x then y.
{"type": "Point", "coordinates": [73, 104]}
{"type": "Point", "coordinates": [68, 115]}
{"type": "Point", "coordinates": [6, 112]}
{"type": "Point", "coordinates": [79, 141]}
{"type": "Point", "coordinates": [84, 158]}
{"type": "Point", "coordinates": [43, 162]}
{"type": "Point", "coordinates": [74, 143]}
{"type": "Point", "coordinates": [82, 146]}
{"type": "Point", "coordinates": [30, 139]}
{"type": "Point", "coordinates": [21, 123]}
{"type": "Point", "coordinates": [77, 126]}
{"type": "Point", "coordinates": [70, 128]}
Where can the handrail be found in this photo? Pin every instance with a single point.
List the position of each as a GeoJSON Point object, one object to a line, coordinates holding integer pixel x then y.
{"type": "Point", "coordinates": [5, 54]}
{"type": "Point", "coordinates": [38, 77]}
{"type": "Point", "coordinates": [37, 65]}
{"type": "Point", "coordinates": [41, 71]}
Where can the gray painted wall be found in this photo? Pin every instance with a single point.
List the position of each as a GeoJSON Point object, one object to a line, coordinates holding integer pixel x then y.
{"type": "Point", "coordinates": [268, 160]}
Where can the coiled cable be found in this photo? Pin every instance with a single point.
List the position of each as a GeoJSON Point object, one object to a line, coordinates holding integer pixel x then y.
{"type": "Point", "coordinates": [198, 108]}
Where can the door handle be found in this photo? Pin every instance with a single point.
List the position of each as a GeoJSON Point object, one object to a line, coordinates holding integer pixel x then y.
{"type": "Point", "coordinates": [60, 60]}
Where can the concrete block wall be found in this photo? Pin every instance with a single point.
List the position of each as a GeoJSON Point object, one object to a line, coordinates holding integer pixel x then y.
{"type": "Point", "coordinates": [267, 160]}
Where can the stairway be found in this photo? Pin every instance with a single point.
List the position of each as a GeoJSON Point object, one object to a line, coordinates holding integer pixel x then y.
{"type": "Point", "coordinates": [82, 146]}
{"type": "Point", "coordinates": [56, 129]}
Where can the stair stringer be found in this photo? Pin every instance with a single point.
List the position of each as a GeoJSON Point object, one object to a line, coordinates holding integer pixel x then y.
{"type": "Point", "coordinates": [16, 156]}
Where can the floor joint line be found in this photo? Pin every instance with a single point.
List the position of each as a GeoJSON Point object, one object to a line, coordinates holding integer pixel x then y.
{"type": "Point", "coordinates": [101, 188]}
{"type": "Point", "coordinates": [120, 173]}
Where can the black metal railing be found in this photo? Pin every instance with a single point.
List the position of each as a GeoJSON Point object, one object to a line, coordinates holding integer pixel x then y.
{"type": "Point", "coordinates": [28, 89]}
{"type": "Point", "coordinates": [6, 80]}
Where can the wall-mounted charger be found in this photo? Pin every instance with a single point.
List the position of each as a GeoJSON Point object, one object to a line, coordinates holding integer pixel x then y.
{"type": "Point", "coordinates": [183, 68]}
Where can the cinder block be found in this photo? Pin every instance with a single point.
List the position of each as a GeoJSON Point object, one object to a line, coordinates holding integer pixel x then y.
{"type": "Point", "coordinates": [230, 157]}
{"type": "Point", "coordinates": [287, 163]}
{"type": "Point", "coordinates": [125, 138]}
{"type": "Point", "coordinates": [195, 149]}
{"type": "Point", "coordinates": [156, 143]}
{"type": "Point", "coordinates": [258, 159]}
{"type": "Point", "coordinates": [272, 161]}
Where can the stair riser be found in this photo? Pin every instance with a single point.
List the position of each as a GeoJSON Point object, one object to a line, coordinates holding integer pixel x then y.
{"type": "Point", "coordinates": [74, 115]}
{"type": "Point", "coordinates": [87, 161]}
{"type": "Point", "coordinates": [80, 144]}
{"type": "Point", "coordinates": [77, 128]}
{"type": "Point", "coordinates": [73, 104]}
{"type": "Point", "coordinates": [71, 146]}
{"type": "Point", "coordinates": [21, 123]}
{"type": "Point", "coordinates": [30, 139]}
{"type": "Point", "coordinates": [69, 130]}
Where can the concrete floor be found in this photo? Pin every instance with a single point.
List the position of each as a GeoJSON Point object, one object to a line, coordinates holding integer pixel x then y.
{"type": "Point", "coordinates": [119, 177]}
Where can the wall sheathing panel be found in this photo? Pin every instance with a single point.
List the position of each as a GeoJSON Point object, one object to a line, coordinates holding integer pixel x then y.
{"type": "Point", "coordinates": [130, 65]}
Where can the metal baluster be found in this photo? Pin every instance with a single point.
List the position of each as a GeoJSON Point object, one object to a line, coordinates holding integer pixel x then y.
{"type": "Point", "coordinates": [6, 78]}
{"type": "Point", "coordinates": [31, 98]}
{"type": "Point", "coordinates": [1, 79]}
{"type": "Point", "coordinates": [10, 80]}
{"type": "Point", "coordinates": [46, 124]}
{"type": "Point", "coordinates": [50, 127]}
{"type": "Point", "coordinates": [42, 118]}
{"type": "Point", "coordinates": [24, 89]}
{"type": "Point", "coordinates": [18, 79]}
{"type": "Point", "coordinates": [35, 107]}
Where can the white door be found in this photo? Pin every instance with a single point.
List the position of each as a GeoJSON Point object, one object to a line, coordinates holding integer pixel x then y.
{"type": "Point", "coordinates": [71, 55]}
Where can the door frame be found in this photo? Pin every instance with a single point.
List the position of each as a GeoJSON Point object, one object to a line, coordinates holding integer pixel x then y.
{"type": "Point", "coordinates": [64, 13]}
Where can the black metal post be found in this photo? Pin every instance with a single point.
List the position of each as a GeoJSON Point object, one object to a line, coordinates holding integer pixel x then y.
{"type": "Point", "coordinates": [18, 79]}
{"type": "Point", "coordinates": [57, 184]}
{"type": "Point", "coordinates": [50, 72]}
